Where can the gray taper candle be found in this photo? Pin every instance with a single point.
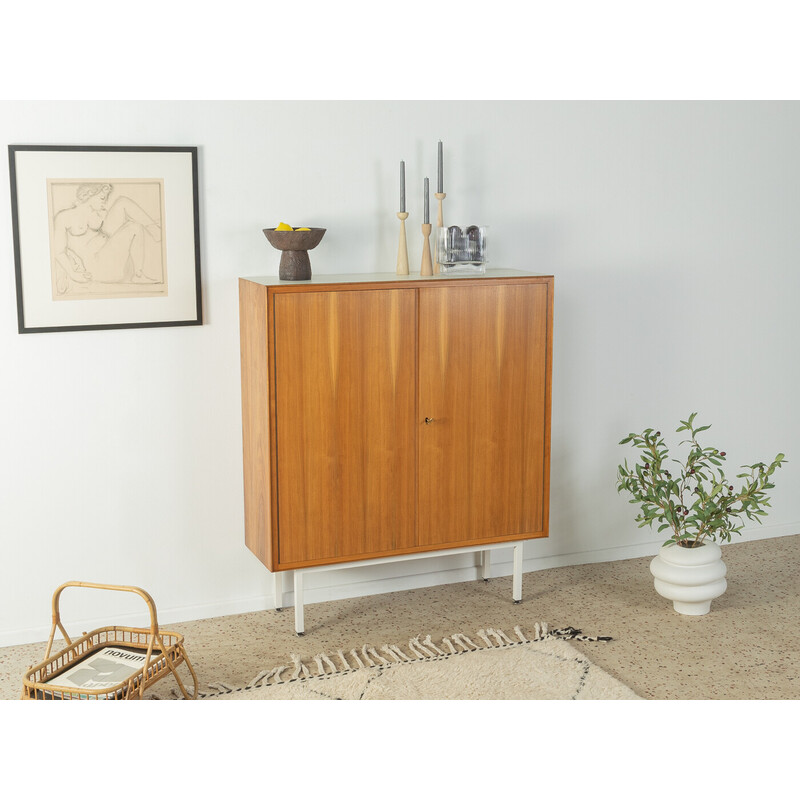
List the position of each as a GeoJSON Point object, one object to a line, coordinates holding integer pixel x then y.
{"type": "Point", "coordinates": [440, 183]}
{"type": "Point", "coordinates": [427, 216]}
{"type": "Point", "coordinates": [402, 186]}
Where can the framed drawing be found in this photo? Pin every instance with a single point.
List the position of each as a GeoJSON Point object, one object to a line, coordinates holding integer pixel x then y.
{"type": "Point", "coordinates": [105, 237]}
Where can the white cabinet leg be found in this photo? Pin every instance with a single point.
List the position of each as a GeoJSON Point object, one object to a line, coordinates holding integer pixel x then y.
{"type": "Point", "coordinates": [516, 588]}
{"type": "Point", "coordinates": [299, 623]}
{"type": "Point", "coordinates": [486, 563]}
{"type": "Point", "coordinates": [278, 576]}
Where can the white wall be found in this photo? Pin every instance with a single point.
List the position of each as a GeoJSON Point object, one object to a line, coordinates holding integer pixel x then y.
{"type": "Point", "coordinates": [671, 229]}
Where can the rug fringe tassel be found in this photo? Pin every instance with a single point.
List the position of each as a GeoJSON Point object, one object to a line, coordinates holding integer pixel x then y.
{"type": "Point", "coordinates": [299, 668]}
{"type": "Point", "coordinates": [502, 638]}
{"type": "Point", "coordinates": [539, 631]}
{"type": "Point", "coordinates": [330, 664]}
{"type": "Point", "coordinates": [367, 660]}
{"type": "Point", "coordinates": [430, 645]}
{"type": "Point", "coordinates": [458, 643]}
{"type": "Point", "coordinates": [418, 649]}
{"type": "Point", "coordinates": [377, 656]}
{"type": "Point", "coordinates": [221, 688]}
{"type": "Point", "coordinates": [467, 643]}
{"type": "Point", "coordinates": [322, 661]}
{"type": "Point", "coordinates": [263, 677]}
{"type": "Point", "coordinates": [388, 650]}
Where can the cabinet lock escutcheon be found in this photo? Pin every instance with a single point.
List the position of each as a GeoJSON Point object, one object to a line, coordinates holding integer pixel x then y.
{"type": "Point", "coordinates": [428, 420]}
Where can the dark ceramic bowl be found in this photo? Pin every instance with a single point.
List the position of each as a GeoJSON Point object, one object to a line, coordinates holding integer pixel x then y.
{"type": "Point", "coordinates": [295, 264]}
{"type": "Point", "coordinates": [294, 240]}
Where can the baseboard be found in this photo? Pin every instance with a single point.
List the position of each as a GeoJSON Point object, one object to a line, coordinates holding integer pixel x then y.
{"type": "Point", "coordinates": [379, 580]}
{"type": "Point", "coordinates": [166, 618]}
{"type": "Point", "coordinates": [435, 574]}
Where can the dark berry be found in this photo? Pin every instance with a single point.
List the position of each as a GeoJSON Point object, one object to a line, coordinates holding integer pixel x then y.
{"type": "Point", "coordinates": [723, 453]}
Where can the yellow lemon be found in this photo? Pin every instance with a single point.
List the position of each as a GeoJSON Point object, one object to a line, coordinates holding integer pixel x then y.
{"type": "Point", "coordinates": [302, 229]}
{"type": "Point", "coordinates": [284, 227]}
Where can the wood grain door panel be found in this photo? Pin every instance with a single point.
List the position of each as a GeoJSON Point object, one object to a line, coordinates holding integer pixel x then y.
{"type": "Point", "coordinates": [482, 379]}
{"type": "Point", "coordinates": [345, 410]}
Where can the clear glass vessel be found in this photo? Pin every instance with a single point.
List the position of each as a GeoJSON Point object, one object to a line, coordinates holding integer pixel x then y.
{"type": "Point", "coordinates": [462, 249]}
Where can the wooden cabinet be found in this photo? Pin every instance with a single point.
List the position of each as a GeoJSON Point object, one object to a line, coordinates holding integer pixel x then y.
{"type": "Point", "coordinates": [386, 415]}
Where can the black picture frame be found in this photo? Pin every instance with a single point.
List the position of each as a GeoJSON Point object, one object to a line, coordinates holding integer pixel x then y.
{"type": "Point", "coordinates": [105, 237]}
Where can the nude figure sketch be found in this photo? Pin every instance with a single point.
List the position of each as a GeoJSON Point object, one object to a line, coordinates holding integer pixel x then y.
{"type": "Point", "coordinates": [107, 239]}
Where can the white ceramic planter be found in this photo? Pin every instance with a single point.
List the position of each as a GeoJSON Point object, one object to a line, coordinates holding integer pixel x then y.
{"type": "Point", "coordinates": [690, 576]}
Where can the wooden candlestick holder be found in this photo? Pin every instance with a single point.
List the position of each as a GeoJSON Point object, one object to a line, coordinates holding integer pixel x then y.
{"type": "Point", "coordinates": [427, 264]}
{"type": "Point", "coordinates": [402, 247]}
{"type": "Point", "coordinates": [440, 224]}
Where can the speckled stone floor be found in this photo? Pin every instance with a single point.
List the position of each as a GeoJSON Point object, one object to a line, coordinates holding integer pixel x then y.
{"type": "Point", "coordinates": [747, 648]}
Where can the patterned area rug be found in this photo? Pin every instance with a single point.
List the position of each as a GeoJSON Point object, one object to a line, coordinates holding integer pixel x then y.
{"type": "Point", "coordinates": [487, 666]}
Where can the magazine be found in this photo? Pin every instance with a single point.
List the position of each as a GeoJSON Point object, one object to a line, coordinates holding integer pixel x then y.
{"type": "Point", "coordinates": [104, 669]}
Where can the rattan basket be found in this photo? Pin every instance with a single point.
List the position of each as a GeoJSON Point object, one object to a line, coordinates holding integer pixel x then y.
{"type": "Point", "coordinates": [164, 653]}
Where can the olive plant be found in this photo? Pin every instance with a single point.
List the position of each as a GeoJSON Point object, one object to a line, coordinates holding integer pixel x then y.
{"type": "Point", "coordinates": [698, 502]}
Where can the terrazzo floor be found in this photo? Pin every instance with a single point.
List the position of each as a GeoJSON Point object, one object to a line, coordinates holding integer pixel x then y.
{"type": "Point", "coordinates": [747, 648]}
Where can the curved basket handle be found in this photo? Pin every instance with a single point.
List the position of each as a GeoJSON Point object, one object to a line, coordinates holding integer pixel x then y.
{"type": "Point", "coordinates": [135, 589]}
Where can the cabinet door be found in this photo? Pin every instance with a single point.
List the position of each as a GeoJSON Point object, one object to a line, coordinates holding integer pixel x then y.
{"type": "Point", "coordinates": [483, 360]}
{"type": "Point", "coordinates": [345, 394]}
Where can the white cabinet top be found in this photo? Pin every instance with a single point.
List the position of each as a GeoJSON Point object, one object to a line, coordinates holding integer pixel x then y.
{"type": "Point", "coordinates": [321, 279]}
